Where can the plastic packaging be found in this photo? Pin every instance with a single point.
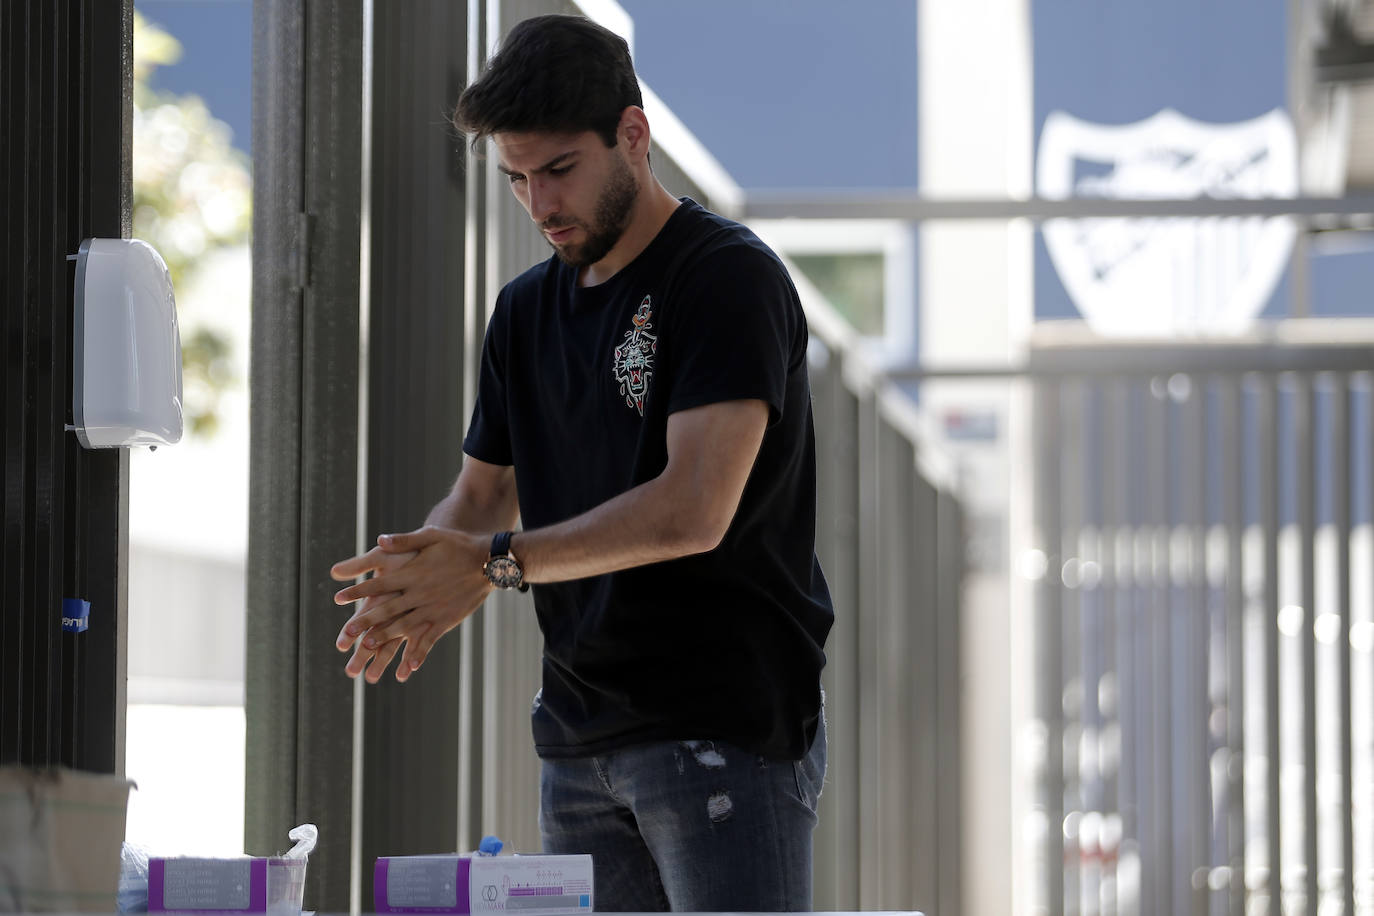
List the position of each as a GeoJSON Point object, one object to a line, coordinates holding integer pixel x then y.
{"type": "Point", "coordinates": [133, 879]}
{"type": "Point", "coordinates": [284, 875]}
{"type": "Point", "coordinates": [306, 836]}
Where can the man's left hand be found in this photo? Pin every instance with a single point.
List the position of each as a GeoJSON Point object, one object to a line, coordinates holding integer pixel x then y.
{"type": "Point", "coordinates": [416, 601]}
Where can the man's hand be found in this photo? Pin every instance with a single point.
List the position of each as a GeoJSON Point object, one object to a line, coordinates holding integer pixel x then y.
{"type": "Point", "coordinates": [378, 562]}
{"type": "Point", "coordinates": [424, 584]}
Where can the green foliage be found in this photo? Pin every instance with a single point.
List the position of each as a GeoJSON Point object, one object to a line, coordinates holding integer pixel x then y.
{"type": "Point", "coordinates": [192, 196]}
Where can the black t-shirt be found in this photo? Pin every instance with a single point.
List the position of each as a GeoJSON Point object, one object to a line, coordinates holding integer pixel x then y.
{"type": "Point", "coordinates": [575, 391]}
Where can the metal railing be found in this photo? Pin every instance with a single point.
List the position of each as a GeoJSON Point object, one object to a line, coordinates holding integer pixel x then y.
{"type": "Point", "coordinates": [890, 543]}
{"type": "Point", "coordinates": [1204, 626]}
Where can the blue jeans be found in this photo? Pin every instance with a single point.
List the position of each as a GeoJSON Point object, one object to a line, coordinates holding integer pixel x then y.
{"type": "Point", "coordinates": [693, 825]}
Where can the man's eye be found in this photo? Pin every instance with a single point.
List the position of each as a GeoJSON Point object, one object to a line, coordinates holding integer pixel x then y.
{"type": "Point", "coordinates": [514, 178]}
{"type": "Point", "coordinates": [561, 170]}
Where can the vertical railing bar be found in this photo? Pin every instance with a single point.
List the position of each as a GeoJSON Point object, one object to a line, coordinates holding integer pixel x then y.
{"type": "Point", "coordinates": [49, 534]}
{"type": "Point", "coordinates": [1269, 498]}
{"type": "Point", "coordinates": [949, 537]}
{"type": "Point", "coordinates": [891, 679]}
{"type": "Point", "coordinates": [846, 722]}
{"type": "Point", "coordinates": [1235, 644]}
{"type": "Point", "coordinates": [853, 726]}
{"type": "Point", "coordinates": [1108, 798]}
{"type": "Point", "coordinates": [871, 878]}
{"type": "Point", "coordinates": [1097, 644]}
{"type": "Point", "coordinates": [470, 700]}
{"type": "Point", "coordinates": [904, 641]}
{"type": "Point", "coordinates": [69, 569]}
{"type": "Point", "coordinates": [1160, 616]}
{"type": "Point", "coordinates": [1069, 542]}
{"type": "Point", "coordinates": [1145, 675]}
{"type": "Point", "coordinates": [1122, 579]}
{"type": "Point", "coordinates": [1200, 766]}
{"type": "Point", "coordinates": [1369, 528]}
{"type": "Point", "coordinates": [1087, 627]}
{"type": "Point", "coordinates": [1049, 667]}
{"type": "Point", "coordinates": [1304, 429]}
{"type": "Point", "coordinates": [1111, 802]}
{"type": "Point", "coordinates": [919, 710]}
{"type": "Point", "coordinates": [1342, 488]}
{"type": "Point", "coordinates": [835, 838]}
{"type": "Point", "coordinates": [501, 250]}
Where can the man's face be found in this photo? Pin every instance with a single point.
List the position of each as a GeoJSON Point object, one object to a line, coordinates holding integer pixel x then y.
{"type": "Point", "coordinates": [578, 191]}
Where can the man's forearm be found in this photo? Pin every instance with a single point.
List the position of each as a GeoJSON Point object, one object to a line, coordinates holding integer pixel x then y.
{"type": "Point", "coordinates": [685, 510]}
{"type": "Point", "coordinates": [471, 515]}
{"type": "Point", "coordinates": [647, 524]}
{"type": "Point", "coordinates": [469, 506]}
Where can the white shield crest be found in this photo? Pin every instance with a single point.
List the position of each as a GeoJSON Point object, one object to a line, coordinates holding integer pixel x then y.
{"type": "Point", "coordinates": [1175, 275]}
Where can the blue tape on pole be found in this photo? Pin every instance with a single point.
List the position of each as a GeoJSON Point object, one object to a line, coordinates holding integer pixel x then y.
{"type": "Point", "coordinates": [76, 615]}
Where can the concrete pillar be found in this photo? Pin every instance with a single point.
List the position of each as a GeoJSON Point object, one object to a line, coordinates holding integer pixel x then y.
{"type": "Point", "coordinates": [975, 139]}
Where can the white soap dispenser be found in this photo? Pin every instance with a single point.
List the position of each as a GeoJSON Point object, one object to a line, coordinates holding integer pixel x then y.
{"type": "Point", "coordinates": [126, 360]}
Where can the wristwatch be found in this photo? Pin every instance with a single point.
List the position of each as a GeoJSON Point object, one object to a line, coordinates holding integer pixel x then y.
{"type": "Point", "coordinates": [502, 568]}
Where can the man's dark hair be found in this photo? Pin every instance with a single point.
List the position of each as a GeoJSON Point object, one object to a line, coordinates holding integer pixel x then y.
{"type": "Point", "coordinates": [553, 74]}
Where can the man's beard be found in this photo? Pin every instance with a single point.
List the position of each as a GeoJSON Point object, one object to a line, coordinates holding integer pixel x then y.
{"type": "Point", "coordinates": [609, 222]}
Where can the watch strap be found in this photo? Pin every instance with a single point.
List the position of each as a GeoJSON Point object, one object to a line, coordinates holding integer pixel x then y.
{"type": "Point", "coordinates": [500, 544]}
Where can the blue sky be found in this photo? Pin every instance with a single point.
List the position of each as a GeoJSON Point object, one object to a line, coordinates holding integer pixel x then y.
{"type": "Point", "coordinates": [789, 94]}
{"type": "Point", "coordinates": [217, 59]}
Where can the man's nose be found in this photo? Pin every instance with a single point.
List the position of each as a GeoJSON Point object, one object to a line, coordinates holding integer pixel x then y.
{"type": "Point", "coordinates": [543, 202]}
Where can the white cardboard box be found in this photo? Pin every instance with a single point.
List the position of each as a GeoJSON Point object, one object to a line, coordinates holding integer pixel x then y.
{"type": "Point", "coordinates": [60, 833]}
{"type": "Point", "coordinates": [524, 885]}
{"type": "Point", "coordinates": [187, 884]}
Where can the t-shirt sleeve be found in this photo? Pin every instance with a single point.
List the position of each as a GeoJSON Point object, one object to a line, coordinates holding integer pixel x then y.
{"type": "Point", "coordinates": [736, 330]}
{"type": "Point", "coordinates": [488, 437]}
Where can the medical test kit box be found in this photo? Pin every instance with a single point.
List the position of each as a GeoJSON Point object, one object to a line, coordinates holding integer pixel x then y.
{"type": "Point", "coordinates": [534, 885]}
{"type": "Point", "coordinates": [189, 884]}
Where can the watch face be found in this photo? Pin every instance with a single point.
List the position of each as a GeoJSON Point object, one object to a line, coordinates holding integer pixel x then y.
{"type": "Point", "coordinates": [504, 572]}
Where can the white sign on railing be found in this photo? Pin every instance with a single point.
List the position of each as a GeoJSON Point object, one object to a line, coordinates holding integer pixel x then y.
{"type": "Point", "coordinates": [1173, 275]}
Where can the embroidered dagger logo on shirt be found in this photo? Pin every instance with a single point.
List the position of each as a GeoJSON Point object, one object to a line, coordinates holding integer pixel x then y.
{"type": "Point", "coordinates": [633, 365]}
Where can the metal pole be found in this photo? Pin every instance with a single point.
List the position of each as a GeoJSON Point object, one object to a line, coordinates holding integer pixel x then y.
{"type": "Point", "coordinates": [1268, 445]}
{"type": "Point", "coordinates": [1049, 615]}
{"type": "Point", "coordinates": [1117, 578]}
{"type": "Point", "coordinates": [1232, 431]}
{"type": "Point", "coordinates": [1075, 666]}
{"type": "Point", "coordinates": [470, 655]}
{"type": "Point", "coordinates": [1112, 607]}
{"type": "Point", "coordinates": [1158, 483]}
{"type": "Point", "coordinates": [1342, 488]}
{"type": "Point", "coordinates": [1351, 210]}
{"type": "Point", "coordinates": [1198, 761]}
{"type": "Point", "coordinates": [1304, 422]}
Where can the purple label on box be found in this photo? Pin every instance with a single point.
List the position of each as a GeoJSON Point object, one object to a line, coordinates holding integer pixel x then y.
{"type": "Point", "coordinates": [190, 885]}
{"type": "Point", "coordinates": [420, 884]}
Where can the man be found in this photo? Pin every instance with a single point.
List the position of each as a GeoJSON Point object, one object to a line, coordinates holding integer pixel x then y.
{"type": "Point", "coordinates": [644, 410]}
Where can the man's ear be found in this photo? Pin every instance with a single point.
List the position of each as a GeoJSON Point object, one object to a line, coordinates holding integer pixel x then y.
{"type": "Point", "coordinates": [634, 131]}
